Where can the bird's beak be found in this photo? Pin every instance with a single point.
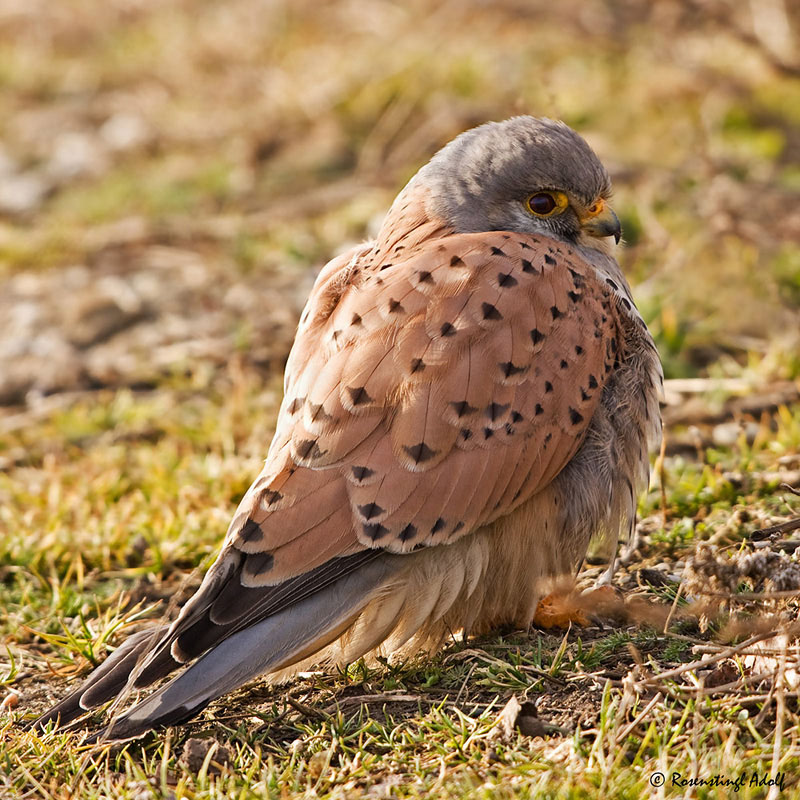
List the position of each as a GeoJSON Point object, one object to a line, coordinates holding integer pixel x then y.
{"type": "Point", "coordinates": [601, 221]}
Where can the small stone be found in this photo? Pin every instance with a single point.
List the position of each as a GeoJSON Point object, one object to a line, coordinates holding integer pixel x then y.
{"type": "Point", "coordinates": [519, 716]}
{"type": "Point", "coordinates": [725, 672]}
{"type": "Point", "coordinates": [10, 702]}
{"type": "Point", "coordinates": [23, 193]}
{"type": "Point", "coordinates": [76, 154]}
{"type": "Point", "coordinates": [124, 131]}
{"type": "Point", "coordinates": [196, 750]}
{"type": "Point", "coordinates": [318, 763]}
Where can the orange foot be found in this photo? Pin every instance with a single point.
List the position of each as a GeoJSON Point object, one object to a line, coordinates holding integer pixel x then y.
{"type": "Point", "coordinates": [562, 609]}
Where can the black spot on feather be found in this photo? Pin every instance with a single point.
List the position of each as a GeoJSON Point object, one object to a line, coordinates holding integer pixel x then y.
{"type": "Point", "coordinates": [308, 449]}
{"type": "Point", "coordinates": [408, 533]}
{"type": "Point", "coordinates": [375, 530]}
{"type": "Point", "coordinates": [296, 405]}
{"type": "Point", "coordinates": [508, 368]}
{"type": "Point", "coordinates": [370, 510]}
{"type": "Point", "coordinates": [496, 410]}
{"type": "Point", "coordinates": [362, 473]}
{"type": "Point", "coordinates": [577, 278]}
{"type": "Point", "coordinates": [318, 412]}
{"type": "Point", "coordinates": [250, 532]}
{"type": "Point", "coordinates": [462, 408]}
{"type": "Point", "coordinates": [420, 453]}
{"type": "Point", "coordinates": [358, 395]}
{"type": "Point", "coordinates": [505, 280]}
{"type": "Point", "coordinates": [490, 312]}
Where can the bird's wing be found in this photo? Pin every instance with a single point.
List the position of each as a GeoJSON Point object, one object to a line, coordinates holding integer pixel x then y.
{"type": "Point", "coordinates": [426, 395]}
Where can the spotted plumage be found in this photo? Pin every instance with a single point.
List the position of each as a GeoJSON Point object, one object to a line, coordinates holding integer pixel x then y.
{"type": "Point", "coordinates": [469, 398]}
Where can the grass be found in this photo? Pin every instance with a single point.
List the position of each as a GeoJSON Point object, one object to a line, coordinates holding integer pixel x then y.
{"type": "Point", "coordinates": [127, 492]}
{"type": "Point", "coordinates": [269, 138]}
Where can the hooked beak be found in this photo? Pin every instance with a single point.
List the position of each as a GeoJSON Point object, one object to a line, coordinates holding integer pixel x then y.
{"type": "Point", "coordinates": [601, 221]}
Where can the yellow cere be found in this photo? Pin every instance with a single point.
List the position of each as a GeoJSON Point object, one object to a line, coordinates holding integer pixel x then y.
{"type": "Point", "coordinates": [595, 209]}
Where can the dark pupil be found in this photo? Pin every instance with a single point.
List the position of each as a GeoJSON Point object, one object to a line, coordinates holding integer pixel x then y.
{"type": "Point", "coordinates": [542, 203]}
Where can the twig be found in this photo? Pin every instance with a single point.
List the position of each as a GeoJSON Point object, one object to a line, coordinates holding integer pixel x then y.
{"type": "Point", "coordinates": [621, 736]}
{"type": "Point", "coordinates": [673, 608]}
{"type": "Point", "coordinates": [729, 688]}
{"type": "Point", "coordinates": [695, 665]}
{"type": "Point", "coordinates": [464, 684]}
{"type": "Point", "coordinates": [780, 713]}
{"type": "Point", "coordinates": [782, 527]}
{"type": "Point", "coordinates": [785, 593]}
{"type": "Point", "coordinates": [364, 699]}
{"type": "Point", "coordinates": [308, 711]}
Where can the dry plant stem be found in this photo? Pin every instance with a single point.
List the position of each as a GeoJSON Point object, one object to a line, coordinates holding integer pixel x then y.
{"type": "Point", "coordinates": [762, 714]}
{"type": "Point", "coordinates": [783, 527]}
{"type": "Point", "coordinates": [384, 698]}
{"type": "Point", "coordinates": [672, 608]}
{"type": "Point", "coordinates": [788, 594]}
{"type": "Point", "coordinates": [622, 735]}
{"type": "Point", "coordinates": [780, 714]}
{"type": "Point", "coordinates": [731, 688]}
{"type": "Point", "coordinates": [695, 665]}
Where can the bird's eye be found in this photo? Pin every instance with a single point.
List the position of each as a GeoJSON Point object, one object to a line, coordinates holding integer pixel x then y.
{"type": "Point", "coordinates": [543, 204]}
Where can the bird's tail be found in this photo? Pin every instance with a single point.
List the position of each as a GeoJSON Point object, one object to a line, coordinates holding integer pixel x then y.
{"type": "Point", "coordinates": [397, 603]}
{"type": "Point", "coordinates": [105, 683]}
{"type": "Point", "coordinates": [270, 645]}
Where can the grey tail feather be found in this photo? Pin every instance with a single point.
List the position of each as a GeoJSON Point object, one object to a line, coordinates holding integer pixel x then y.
{"type": "Point", "coordinates": [267, 646]}
{"type": "Point", "coordinates": [106, 682]}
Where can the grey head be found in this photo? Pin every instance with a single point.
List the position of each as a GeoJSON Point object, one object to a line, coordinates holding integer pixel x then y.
{"type": "Point", "coordinates": [527, 174]}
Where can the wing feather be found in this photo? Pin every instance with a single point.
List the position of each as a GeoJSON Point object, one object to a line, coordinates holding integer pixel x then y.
{"type": "Point", "coordinates": [426, 396]}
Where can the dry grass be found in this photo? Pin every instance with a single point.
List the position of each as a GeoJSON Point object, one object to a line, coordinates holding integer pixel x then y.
{"type": "Point", "coordinates": [171, 175]}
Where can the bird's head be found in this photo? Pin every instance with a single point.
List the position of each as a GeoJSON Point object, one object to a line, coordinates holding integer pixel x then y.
{"type": "Point", "coordinates": [525, 174]}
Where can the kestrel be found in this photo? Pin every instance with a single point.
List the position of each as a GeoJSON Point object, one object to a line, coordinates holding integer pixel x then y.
{"type": "Point", "coordinates": [469, 399]}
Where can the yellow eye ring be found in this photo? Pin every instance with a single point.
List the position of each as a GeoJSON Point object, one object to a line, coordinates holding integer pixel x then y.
{"type": "Point", "coordinates": [546, 204]}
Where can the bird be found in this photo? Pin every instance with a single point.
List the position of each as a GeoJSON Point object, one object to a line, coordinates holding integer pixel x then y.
{"type": "Point", "coordinates": [470, 398]}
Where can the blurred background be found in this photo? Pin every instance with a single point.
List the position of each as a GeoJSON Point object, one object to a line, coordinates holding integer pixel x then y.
{"type": "Point", "coordinates": [172, 174]}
